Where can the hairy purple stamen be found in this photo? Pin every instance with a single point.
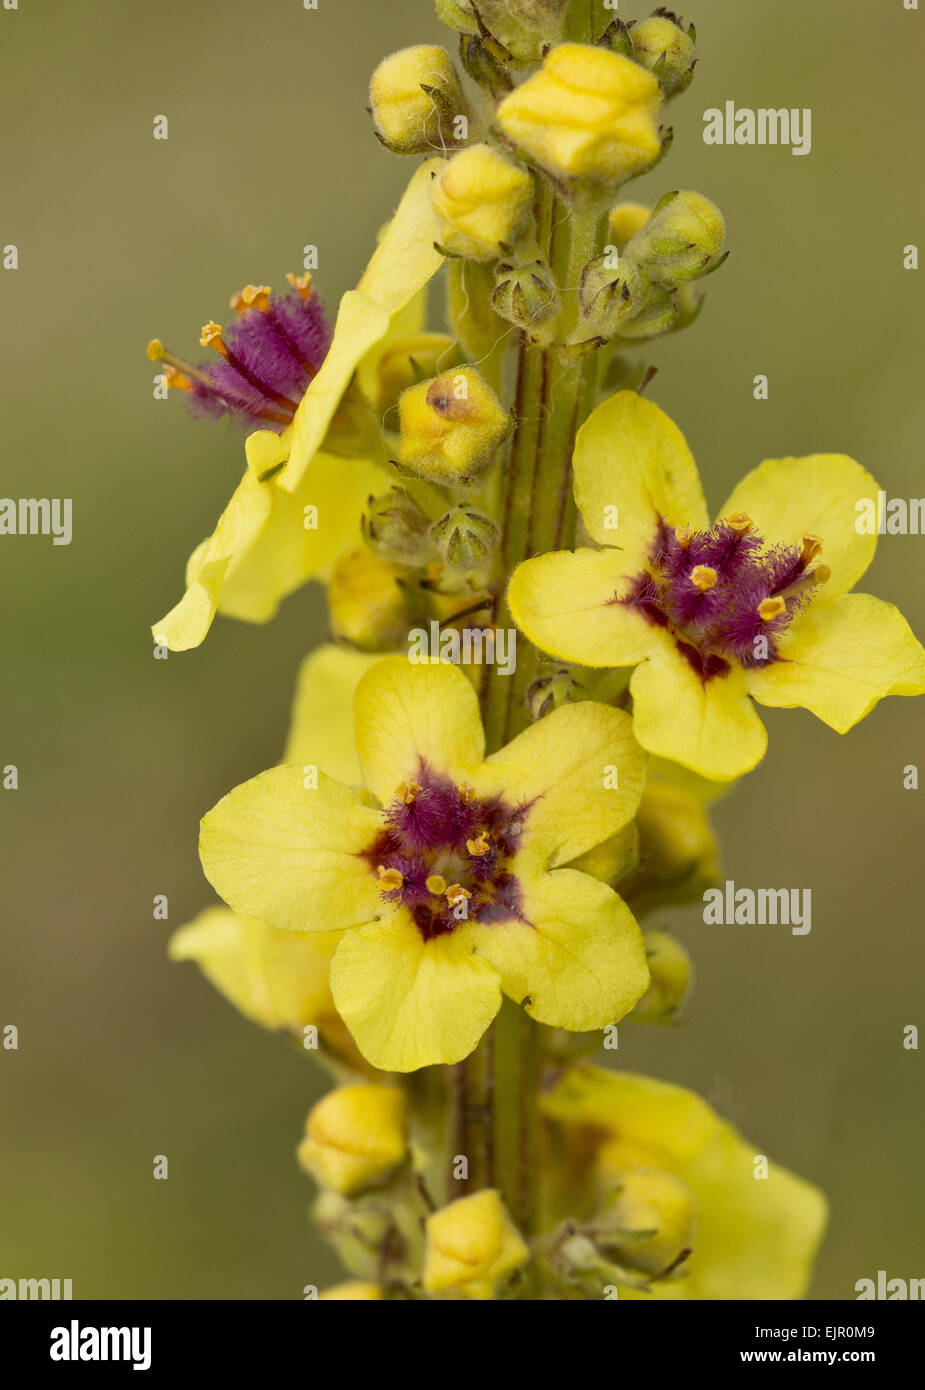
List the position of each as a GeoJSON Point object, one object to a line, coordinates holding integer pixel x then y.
{"type": "Point", "coordinates": [271, 356]}
{"type": "Point", "coordinates": [715, 622]}
{"type": "Point", "coordinates": [446, 855]}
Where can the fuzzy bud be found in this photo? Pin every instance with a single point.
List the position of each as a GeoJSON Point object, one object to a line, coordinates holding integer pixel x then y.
{"type": "Point", "coordinates": [481, 198]}
{"type": "Point", "coordinates": [525, 295]}
{"type": "Point", "coordinates": [451, 427]}
{"type": "Point", "coordinates": [682, 240]}
{"type": "Point", "coordinates": [612, 291]}
{"type": "Point", "coordinates": [367, 603]}
{"type": "Point", "coordinates": [666, 50]}
{"type": "Point", "coordinates": [354, 1137]}
{"type": "Point", "coordinates": [587, 114]}
{"type": "Point", "coordinates": [670, 973]}
{"type": "Point", "coordinates": [551, 692]}
{"type": "Point", "coordinates": [395, 528]}
{"type": "Point", "coordinates": [648, 1222]}
{"type": "Point", "coordinates": [473, 1247]}
{"type": "Point", "coordinates": [416, 99]}
{"type": "Point", "coordinates": [465, 538]}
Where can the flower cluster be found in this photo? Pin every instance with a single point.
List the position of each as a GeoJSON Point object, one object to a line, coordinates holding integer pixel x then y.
{"type": "Point", "coordinates": [444, 888]}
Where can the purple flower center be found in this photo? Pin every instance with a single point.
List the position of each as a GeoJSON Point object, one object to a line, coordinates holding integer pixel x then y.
{"type": "Point", "coordinates": [265, 360]}
{"type": "Point", "coordinates": [725, 595]}
{"type": "Point", "coordinates": [447, 856]}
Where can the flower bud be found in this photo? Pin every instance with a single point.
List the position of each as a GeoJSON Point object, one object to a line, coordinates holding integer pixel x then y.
{"type": "Point", "coordinates": [551, 692]}
{"type": "Point", "coordinates": [353, 1289]}
{"type": "Point", "coordinates": [611, 295]}
{"type": "Point", "coordinates": [406, 362]}
{"type": "Point", "coordinates": [670, 977]}
{"type": "Point", "coordinates": [354, 1137]}
{"type": "Point", "coordinates": [396, 529]}
{"type": "Point", "coordinates": [525, 295]}
{"type": "Point", "coordinates": [513, 30]}
{"type": "Point", "coordinates": [625, 220]}
{"type": "Point", "coordinates": [480, 198]}
{"type": "Point", "coordinates": [649, 1221]}
{"type": "Point", "coordinates": [451, 427]}
{"type": "Point", "coordinates": [666, 50]}
{"type": "Point", "coordinates": [682, 240]}
{"type": "Point", "coordinates": [367, 603]}
{"type": "Point", "coordinates": [415, 97]}
{"type": "Point", "coordinates": [587, 114]}
{"type": "Point", "coordinates": [473, 1247]}
{"type": "Point", "coordinates": [677, 849]}
{"type": "Point", "coordinates": [465, 538]}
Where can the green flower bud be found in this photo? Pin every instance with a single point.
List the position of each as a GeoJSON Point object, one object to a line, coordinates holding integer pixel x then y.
{"type": "Point", "coordinates": [396, 528]}
{"type": "Point", "coordinates": [513, 30]}
{"type": "Point", "coordinates": [670, 970]}
{"type": "Point", "coordinates": [451, 428]}
{"type": "Point", "coordinates": [682, 240]}
{"type": "Point", "coordinates": [368, 605]}
{"type": "Point", "coordinates": [481, 198]}
{"type": "Point", "coordinates": [611, 292]}
{"type": "Point", "coordinates": [525, 295]}
{"type": "Point", "coordinates": [483, 66]}
{"type": "Point", "coordinates": [647, 1225]}
{"type": "Point", "coordinates": [666, 50]}
{"type": "Point", "coordinates": [465, 538]}
{"type": "Point", "coordinates": [415, 98]}
{"type": "Point", "coordinates": [677, 846]}
{"type": "Point", "coordinates": [551, 692]}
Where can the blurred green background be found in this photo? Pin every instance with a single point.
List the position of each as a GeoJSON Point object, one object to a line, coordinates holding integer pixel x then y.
{"type": "Point", "coordinates": [121, 237]}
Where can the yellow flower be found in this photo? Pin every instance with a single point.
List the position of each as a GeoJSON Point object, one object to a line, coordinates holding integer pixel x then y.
{"type": "Point", "coordinates": [355, 1290]}
{"type": "Point", "coordinates": [273, 978]}
{"type": "Point", "coordinates": [754, 1236]}
{"type": "Point", "coordinates": [714, 618]}
{"type": "Point", "coordinates": [299, 505]}
{"type": "Point", "coordinates": [354, 1137]}
{"type": "Point", "coordinates": [434, 931]}
{"type": "Point", "coordinates": [587, 114]}
{"type": "Point", "coordinates": [480, 198]}
{"type": "Point", "coordinates": [473, 1247]}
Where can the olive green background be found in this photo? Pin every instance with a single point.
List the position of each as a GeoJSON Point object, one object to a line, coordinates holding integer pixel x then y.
{"type": "Point", "coordinates": [121, 237]}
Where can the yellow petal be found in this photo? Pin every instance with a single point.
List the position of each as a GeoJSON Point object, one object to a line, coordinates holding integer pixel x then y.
{"type": "Point", "coordinates": [288, 551]}
{"type": "Point", "coordinates": [631, 456]}
{"type": "Point", "coordinates": [581, 773]}
{"type": "Point", "coordinates": [238, 528]}
{"type": "Point", "coordinates": [711, 727]}
{"type": "Point", "coordinates": [412, 1003]}
{"type": "Point", "coordinates": [321, 730]}
{"type": "Point", "coordinates": [756, 1237]}
{"type": "Point", "coordinates": [274, 978]}
{"type": "Point", "coordinates": [406, 714]}
{"type": "Point", "coordinates": [578, 962]}
{"type": "Point", "coordinates": [564, 602]}
{"type": "Point", "coordinates": [360, 323]}
{"type": "Point", "coordinates": [400, 267]}
{"type": "Point", "coordinates": [406, 257]}
{"type": "Point", "coordinates": [841, 657]}
{"type": "Point", "coordinates": [663, 1125]}
{"type": "Point", "coordinates": [291, 855]}
{"type": "Point", "coordinates": [787, 497]}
